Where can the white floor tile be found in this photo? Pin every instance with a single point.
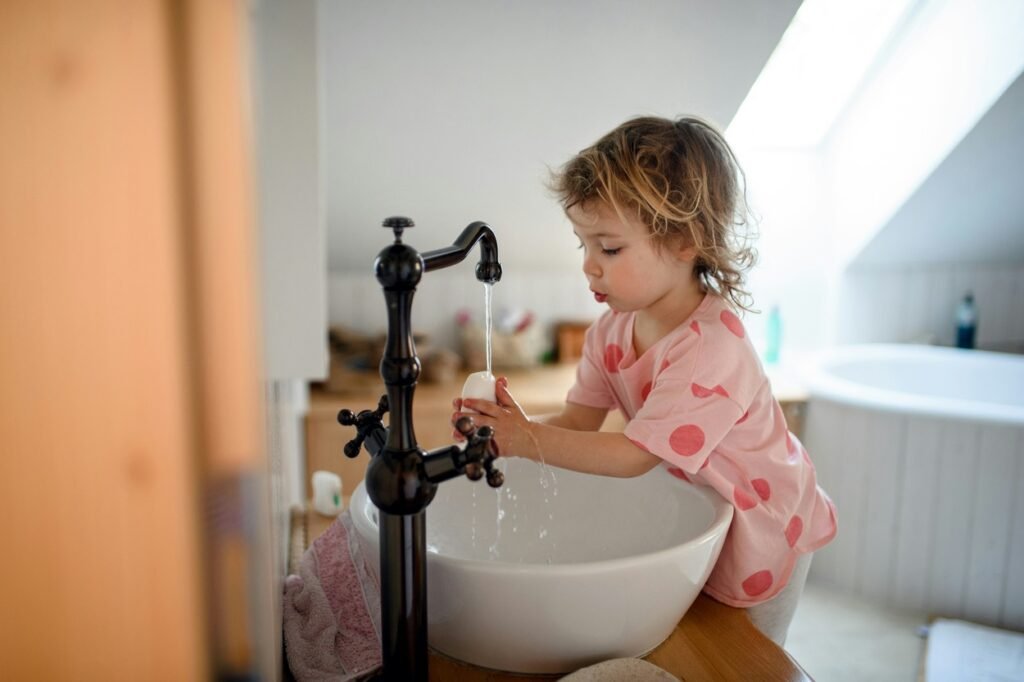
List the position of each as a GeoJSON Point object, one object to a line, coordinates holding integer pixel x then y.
{"type": "Point", "coordinates": [840, 638]}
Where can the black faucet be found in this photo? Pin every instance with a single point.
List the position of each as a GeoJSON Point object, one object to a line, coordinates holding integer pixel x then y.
{"type": "Point", "coordinates": [401, 478]}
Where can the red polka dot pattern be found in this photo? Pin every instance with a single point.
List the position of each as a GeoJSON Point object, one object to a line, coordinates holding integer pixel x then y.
{"type": "Point", "coordinates": [794, 529]}
{"type": "Point", "coordinates": [744, 500]}
{"type": "Point", "coordinates": [612, 357]}
{"type": "Point", "coordinates": [761, 487]}
{"type": "Point", "coordinates": [646, 391]}
{"type": "Point", "coordinates": [732, 323]}
{"type": "Point", "coordinates": [687, 440]}
{"type": "Point", "coordinates": [679, 473]}
{"type": "Point", "coordinates": [703, 391]}
{"type": "Point", "coordinates": [700, 391]}
{"type": "Point", "coordinates": [758, 583]}
{"type": "Point", "coordinates": [695, 326]}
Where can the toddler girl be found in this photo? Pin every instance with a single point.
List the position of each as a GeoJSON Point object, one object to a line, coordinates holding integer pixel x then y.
{"type": "Point", "coordinates": [657, 206]}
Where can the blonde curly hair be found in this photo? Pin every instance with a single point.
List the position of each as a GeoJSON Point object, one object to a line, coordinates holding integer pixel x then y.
{"type": "Point", "coordinates": [682, 181]}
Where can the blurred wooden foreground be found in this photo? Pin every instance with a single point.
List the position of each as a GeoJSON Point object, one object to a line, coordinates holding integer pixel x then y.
{"type": "Point", "coordinates": [128, 357]}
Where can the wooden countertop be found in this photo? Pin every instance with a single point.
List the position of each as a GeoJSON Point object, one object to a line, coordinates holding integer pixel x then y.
{"type": "Point", "coordinates": [546, 385]}
{"type": "Point", "coordinates": [543, 386]}
{"type": "Point", "coordinates": [712, 642]}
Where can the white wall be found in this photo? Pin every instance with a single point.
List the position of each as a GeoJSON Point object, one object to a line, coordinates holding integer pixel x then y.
{"type": "Point", "coordinates": [286, 112]}
{"type": "Point", "coordinates": [971, 207]}
{"type": "Point", "coordinates": [930, 137]}
{"type": "Point", "coordinates": [435, 126]}
{"type": "Point", "coordinates": [290, 198]}
{"type": "Point", "coordinates": [789, 195]}
{"type": "Point", "coordinates": [955, 60]}
{"type": "Point", "coordinates": [453, 111]}
{"type": "Point", "coordinates": [924, 210]}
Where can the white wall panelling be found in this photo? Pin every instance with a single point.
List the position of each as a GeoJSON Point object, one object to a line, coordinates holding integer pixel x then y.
{"type": "Point", "coordinates": [1013, 592]}
{"type": "Point", "coordinates": [930, 511]}
{"type": "Point", "coordinates": [286, 404]}
{"type": "Point", "coordinates": [356, 300]}
{"type": "Point", "coordinates": [907, 303]}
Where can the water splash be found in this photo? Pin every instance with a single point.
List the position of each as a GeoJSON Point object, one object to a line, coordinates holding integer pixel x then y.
{"type": "Point", "coordinates": [549, 482]}
{"type": "Point", "coordinates": [472, 521]}
{"type": "Point", "coordinates": [508, 511]}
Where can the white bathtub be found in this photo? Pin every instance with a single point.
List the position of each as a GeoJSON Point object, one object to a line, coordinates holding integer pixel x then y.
{"type": "Point", "coordinates": [922, 450]}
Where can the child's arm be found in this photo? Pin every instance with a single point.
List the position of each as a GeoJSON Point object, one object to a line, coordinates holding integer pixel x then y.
{"type": "Point", "coordinates": [569, 440]}
{"type": "Point", "coordinates": [573, 416]}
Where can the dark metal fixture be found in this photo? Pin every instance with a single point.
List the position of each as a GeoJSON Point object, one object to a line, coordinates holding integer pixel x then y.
{"type": "Point", "coordinates": [401, 478]}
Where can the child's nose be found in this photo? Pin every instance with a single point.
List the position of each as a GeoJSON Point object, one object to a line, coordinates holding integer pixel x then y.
{"type": "Point", "coordinates": [590, 267]}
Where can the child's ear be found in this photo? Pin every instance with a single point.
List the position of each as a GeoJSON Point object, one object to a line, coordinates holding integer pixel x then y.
{"type": "Point", "coordinates": [687, 254]}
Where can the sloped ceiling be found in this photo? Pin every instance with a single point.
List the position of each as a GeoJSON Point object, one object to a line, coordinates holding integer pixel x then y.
{"type": "Point", "coordinates": [453, 111]}
{"type": "Point", "coordinates": [971, 208]}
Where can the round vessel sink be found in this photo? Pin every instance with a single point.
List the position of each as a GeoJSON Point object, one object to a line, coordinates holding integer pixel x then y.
{"type": "Point", "coordinates": [559, 570]}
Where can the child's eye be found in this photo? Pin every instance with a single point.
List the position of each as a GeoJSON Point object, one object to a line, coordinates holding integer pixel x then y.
{"type": "Point", "coordinates": [611, 252]}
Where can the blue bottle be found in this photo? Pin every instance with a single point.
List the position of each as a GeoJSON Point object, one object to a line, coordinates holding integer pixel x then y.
{"type": "Point", "coordinates": [966, 322]}
{"type": "Point", "coordinates": [773, 334]}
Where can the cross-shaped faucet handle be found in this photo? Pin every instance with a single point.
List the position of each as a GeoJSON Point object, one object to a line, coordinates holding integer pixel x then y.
{"type": "Point", "coordinates": [367, 423]}
{"type": "Point", "coordinates": [481, 451]}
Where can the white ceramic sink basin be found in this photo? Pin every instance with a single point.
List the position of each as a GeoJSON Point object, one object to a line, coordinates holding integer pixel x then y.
{"type": "Point", "coordinates": [559, 570]}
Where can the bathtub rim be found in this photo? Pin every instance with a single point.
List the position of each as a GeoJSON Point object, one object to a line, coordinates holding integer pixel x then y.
{"type": "Point", "coordinates": [822, 384]}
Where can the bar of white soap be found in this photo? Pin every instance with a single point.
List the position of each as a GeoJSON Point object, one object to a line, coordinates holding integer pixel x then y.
{"type": "Point", "coordinates": [479, 385]}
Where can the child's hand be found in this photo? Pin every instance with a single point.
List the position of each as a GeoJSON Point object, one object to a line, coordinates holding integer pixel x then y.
{"type": "Point", "coordinates": [512, 428]}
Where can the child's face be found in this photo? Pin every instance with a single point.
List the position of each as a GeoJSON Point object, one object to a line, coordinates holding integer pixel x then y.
{"type": "Point", "coordinates": [622, 263]}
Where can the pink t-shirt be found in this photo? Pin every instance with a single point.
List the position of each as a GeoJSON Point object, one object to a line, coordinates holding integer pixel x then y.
{"type": "Point", "coordinates": [700, 400]}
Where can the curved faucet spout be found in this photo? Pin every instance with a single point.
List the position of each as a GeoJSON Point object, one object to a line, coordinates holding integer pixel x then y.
{"type": "Point", "coordinates": [487, 270]}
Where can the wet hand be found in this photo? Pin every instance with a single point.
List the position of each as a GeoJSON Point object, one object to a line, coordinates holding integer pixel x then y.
{"type": "Point", "coordinates": [512, 428]}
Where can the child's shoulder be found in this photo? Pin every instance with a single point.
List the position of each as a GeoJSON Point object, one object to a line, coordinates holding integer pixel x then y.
{"type": "Point", "coordinates": [725, 349]}
{"type": "Point", "coordinates": [716, 319]}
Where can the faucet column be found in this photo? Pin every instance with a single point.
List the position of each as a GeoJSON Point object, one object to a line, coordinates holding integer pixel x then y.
{"type": "Point", "coordinates": [401, 478]}
{"type": "Point", "coordinates": [394, 479]}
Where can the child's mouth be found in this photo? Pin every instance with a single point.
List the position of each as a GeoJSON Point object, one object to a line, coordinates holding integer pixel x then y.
{"type": "Point", "coordinates": [601, 298]}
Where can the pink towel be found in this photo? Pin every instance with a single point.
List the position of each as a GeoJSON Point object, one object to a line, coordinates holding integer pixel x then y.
{"type": "Point", "coordinates": [332, 609]}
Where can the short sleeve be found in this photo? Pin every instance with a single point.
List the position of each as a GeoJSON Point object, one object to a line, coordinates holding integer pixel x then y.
{"type": "Point", "coordinates": [591, 387]}
{"type": "Point", "coordinates": [682, 422]}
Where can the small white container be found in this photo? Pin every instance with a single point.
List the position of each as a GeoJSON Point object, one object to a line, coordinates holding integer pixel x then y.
{"type": "Point", "coordinates": [327, 493]}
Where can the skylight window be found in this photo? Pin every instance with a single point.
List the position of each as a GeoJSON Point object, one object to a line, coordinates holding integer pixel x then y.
{"type": "Point", "coordinates": [822, 58]}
